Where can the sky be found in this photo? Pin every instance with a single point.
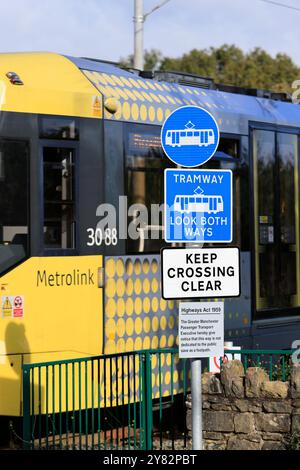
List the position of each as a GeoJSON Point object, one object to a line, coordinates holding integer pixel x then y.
{"type": "Point", "coordinates": [104, 28]}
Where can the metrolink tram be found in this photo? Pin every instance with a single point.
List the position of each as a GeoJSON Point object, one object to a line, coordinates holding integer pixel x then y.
{"type": "Point", "coordinates": [76, 136]}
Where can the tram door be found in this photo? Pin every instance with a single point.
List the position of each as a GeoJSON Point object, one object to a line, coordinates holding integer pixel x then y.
{"type": "Point", "coordinates": [276, 212]}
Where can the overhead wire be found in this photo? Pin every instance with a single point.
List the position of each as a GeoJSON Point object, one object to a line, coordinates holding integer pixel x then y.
{"type": "Point", "coordinates": [279, 4]}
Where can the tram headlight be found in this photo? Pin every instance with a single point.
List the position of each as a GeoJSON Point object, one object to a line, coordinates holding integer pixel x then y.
{"type": "Point", "coordinates": [111, 105]}
{"type": "Point", "coordinates": [14, 78]}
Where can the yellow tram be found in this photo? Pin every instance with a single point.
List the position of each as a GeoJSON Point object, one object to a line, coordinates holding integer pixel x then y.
{"type": "Point", "coordinates": [77, 135]}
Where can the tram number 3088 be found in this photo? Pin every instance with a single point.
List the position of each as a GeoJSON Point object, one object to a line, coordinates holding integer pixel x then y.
{"type": "Point", "coordinates": [97, 237]}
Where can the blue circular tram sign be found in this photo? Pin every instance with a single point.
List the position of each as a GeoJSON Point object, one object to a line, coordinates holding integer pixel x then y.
{"type": "Point", "coordinates": [190, 136]}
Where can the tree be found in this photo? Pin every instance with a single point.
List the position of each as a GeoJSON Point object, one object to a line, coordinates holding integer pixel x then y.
{"type": "Point", "coordinates": [152, 60]}
{"type": "Point", "coordinates": [229, 65]}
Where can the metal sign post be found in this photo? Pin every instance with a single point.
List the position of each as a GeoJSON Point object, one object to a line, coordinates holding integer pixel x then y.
{"type": "Point", "coordinates": [198, 208]}
{"type": "Point", "coordinates": [196, 389]}
{"type": "Point", "coordinates": [201, 334]}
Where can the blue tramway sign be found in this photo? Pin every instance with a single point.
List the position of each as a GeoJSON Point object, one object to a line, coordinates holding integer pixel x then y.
{"type": "Point", "coordinates": [190, 136]}
{"type": "Point", "coordinates": [198, 206]}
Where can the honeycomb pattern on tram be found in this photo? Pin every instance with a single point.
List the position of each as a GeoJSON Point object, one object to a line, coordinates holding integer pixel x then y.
{"type": "Point", "coordinates": [136, 317]}
{"type": "Point", "coordinates": [148, 100]}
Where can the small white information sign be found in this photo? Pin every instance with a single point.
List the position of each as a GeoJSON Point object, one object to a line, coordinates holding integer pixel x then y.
{"type": "Point", "coordinates": [201, 329]}
{"type": "Point", "coordinates": [200, 272]}
{"type": "Point", "coordinates": [214, 365]}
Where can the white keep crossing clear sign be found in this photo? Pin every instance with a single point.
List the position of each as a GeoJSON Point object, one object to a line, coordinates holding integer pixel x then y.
{"type": "Point", "coordinates": [200, 273]}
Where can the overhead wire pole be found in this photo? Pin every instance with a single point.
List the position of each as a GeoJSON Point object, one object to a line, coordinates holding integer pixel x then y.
{"type": "Point", "coordinates": [138, 20]}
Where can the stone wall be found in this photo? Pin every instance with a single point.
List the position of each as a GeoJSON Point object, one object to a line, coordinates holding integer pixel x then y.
{"type": "Point", "coordinates": [245, 411]}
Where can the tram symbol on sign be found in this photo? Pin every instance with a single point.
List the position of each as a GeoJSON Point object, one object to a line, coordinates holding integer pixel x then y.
{"type": "Point", "coordinates": [190, 136]}
{"type": "Point", "coordinates": [199, 202]}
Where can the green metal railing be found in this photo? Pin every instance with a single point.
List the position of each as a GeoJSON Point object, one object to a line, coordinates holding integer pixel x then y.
{"type": "Point", "coordinates": [134, 400]}
{"type": "Point", "coordinates": [119, 401]}
{"type": "Point", "coordinates": [276, 362]}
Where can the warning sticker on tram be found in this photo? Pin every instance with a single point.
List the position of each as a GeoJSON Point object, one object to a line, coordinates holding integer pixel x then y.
{"type": "Point", "coordinates": [7, 306]}
{"type": "Point", "coordinates": [12, 306]}
{"type": "Point", "coordinates": [198, 206]}
{"type": "Point", "coordinates": [18, 306]}
{"type": "Point", "coordinates": [200, 273]}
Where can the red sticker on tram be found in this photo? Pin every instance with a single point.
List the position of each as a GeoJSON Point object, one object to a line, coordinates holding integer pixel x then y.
{"type": "Point", "coordinates": [18, 306]}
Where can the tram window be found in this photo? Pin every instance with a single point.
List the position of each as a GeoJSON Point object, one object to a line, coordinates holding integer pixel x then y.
{"type": "Point", "coordinates": [59, 210]}
{"type": "Point", "coordinates": [231, 147]}
{"type": "Point", "coordinates": [275, 157]}
{"type": "Point", "coordinates": [288, 232]}
{"type": "Point", "coordinates": [144, 170]}
{"type": "Point", "coordinates": [59, 128]}
{"type": "Point", "coordinates": [286, 144]}
{"type": "Point", "coordinates": [196, 133]}
{"type": "Point", "coordinates": [189, 134]}
{"type": "Point", "coordinates": [182, 134]}
{"type": "Point", "coordinates": [13, 203]}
